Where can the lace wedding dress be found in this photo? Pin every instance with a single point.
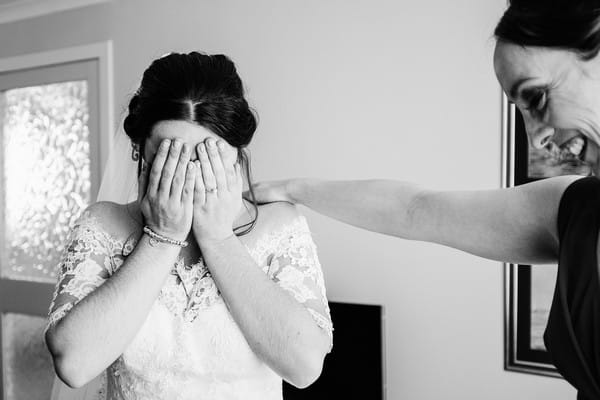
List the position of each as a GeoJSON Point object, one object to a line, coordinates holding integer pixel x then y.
{"type": "Point", "coordinates": [189, 346]}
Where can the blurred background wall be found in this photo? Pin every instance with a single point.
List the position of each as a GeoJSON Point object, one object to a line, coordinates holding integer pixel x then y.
{"type": "Point", "coordinates": [354, 89]}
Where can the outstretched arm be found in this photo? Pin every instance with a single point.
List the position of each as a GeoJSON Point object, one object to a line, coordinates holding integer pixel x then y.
{"type": "Point", "coordinates": [515, 224]}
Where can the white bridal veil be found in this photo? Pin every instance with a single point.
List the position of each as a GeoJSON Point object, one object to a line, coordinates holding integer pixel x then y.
{"type": "Point", "coordinates": [119, 185]}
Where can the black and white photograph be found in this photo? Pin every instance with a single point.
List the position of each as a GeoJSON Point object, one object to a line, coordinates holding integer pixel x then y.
{"type": "Point", "coordinates": [284, 200]}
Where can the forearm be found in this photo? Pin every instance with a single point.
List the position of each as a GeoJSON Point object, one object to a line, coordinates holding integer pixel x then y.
{"type": "Point", "coordinates": [383, 206]}
{"type": "Point", "coordinates": [278, 328]}
{"type": "Point", "coordinates": [99, 328]}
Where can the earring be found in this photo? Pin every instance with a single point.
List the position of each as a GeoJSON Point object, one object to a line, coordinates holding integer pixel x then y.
{"type": "Point", "coordinates": [135, 152]}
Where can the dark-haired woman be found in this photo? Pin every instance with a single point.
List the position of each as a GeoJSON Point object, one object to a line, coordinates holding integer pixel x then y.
{"type": "Point", "coordinates": [547, 62]}
{"type": "Point", "coordinates": [188, 292]}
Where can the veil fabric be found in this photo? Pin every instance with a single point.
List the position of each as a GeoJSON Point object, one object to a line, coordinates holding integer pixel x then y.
{"type": "Point", "coordinates": [119, 181]}
{"type": "Point", "coordinates": [119, 185]}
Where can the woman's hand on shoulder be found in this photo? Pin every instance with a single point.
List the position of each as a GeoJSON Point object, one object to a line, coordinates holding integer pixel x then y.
{"type": "Point", "coordinates": [272, 191]}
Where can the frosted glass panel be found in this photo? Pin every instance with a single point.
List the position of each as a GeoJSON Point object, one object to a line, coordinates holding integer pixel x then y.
{"type": "Point", "coordinates": [28, 371]}
{"type": "Point", "coordinates": [46, 154]}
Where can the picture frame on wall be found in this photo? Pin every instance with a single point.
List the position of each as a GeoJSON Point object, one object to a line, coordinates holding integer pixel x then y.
{"type": "Point", "coordinates": [529, 288]}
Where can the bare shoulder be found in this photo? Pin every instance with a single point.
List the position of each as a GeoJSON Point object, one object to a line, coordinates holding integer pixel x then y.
{"type": "Point", "coordinates": [276, 215]}
{"type": "Point", "coordinates": [118, 220]}
{"type": "Point", "coordinates": [544, 196]}
{"type": "Point", "coordinates": [551, 186]}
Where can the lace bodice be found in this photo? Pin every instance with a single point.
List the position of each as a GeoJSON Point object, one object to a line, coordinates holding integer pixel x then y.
{"type": "Point", "coordinates": [189, 346]}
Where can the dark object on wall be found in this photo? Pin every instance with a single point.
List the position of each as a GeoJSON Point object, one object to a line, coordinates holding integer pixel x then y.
{"type": "Point", "coordinates": [355, 367]}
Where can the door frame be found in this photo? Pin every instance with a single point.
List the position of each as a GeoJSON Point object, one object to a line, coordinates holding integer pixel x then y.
{"type": "Point", "coordinates": [14, 293]}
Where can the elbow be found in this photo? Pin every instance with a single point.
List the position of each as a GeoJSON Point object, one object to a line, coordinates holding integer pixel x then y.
{"type": "Point", "coordinates": [307, 368]}
{"type": "Point", "coordinates": [68, 372]}
{"type": "Point", "coordinates": [67, 369]}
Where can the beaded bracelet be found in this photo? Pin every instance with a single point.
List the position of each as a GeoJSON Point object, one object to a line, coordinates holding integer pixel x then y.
{"type": "Point", "coordinates": [155, 238]}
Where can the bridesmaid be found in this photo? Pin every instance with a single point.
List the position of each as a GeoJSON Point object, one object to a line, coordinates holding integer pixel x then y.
{"type": "Point", "coordinates": [546, 60]}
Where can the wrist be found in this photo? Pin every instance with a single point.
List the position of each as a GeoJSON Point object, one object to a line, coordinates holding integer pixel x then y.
{"type": "Point", "coordinates": [156, 237]}
{"type": "Point", "coordinates": [216, 238]}
{"type": "Point", "coordinates": [212, 235]}
{"type": "Point", "coordinates": [160, 247]}
{"type": "Point", "coordinates": [293, 190]}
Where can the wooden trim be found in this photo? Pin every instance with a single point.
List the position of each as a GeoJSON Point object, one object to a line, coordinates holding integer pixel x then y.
{"type": "Point", "coordinates": [33, 298]}
{"type": "Point", "coordinates": [24, 9]}
{"type": "Point", "coordinates": [103, 52]}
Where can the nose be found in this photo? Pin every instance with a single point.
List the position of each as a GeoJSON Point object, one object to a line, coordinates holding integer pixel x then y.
{"type": "Point", "coordinates": [539, 133]}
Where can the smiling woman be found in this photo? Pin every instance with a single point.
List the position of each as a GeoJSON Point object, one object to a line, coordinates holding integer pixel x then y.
{"type": "Point", "coordinates": [162, 292]}
{"type": "Point", "coordinates": [546, 60]}
{"type": "Point", "coordinates": [553, 89]}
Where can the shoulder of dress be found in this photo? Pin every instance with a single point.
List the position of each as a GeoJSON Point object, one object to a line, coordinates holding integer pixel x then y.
{"type": "Point", "coordinates": [98, 215]}
{"type": "Point", "coordinates": [278, 223]}
{"type": "Point", "coordinates": [278, 213]}
{"type": "Point", "coordinates": [100, 209]}
{"type": "Point", "coordinates": [107, 220]}
{"type": "Point", "coordinates": [280, 217]}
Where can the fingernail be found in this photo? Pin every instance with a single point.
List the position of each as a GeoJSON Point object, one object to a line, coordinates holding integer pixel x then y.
{"type": "Point", "coordinates": [210, 142]}
{"type": "Point", "coordinates": [166, 143]}
{"type": "Point", "coordinates": [221, 145]}
{"type": "Point", "coordinates": [184, 148]}
{"type": "Point", "coordinates": [191, 165]}
{"type": "Point", "coordinates": [202, 148]}
{"type": "Point", "coordinates": [176, 144]}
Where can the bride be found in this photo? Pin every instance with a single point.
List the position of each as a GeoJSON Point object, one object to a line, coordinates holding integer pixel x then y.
{"type": "Point", "coordinates": [185, 292]}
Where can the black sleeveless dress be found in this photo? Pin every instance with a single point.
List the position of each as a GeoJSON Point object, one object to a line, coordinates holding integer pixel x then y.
{"type": "Point", "coordinates": [572, 335]}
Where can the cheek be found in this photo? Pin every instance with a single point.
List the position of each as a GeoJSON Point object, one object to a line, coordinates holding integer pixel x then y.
{"type": "Point", "coordinates": [149, 153]}
{"type": "Point", "coordinates": [564, 114]}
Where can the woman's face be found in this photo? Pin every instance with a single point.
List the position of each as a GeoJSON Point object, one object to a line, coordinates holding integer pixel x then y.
{"type": "Point", "coordinates": [553, 89]}
{"type": "Point", "coordinates": [184, 132]}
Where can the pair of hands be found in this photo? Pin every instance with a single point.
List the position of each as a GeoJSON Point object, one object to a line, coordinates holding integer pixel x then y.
{"type": "Point", "coordinates": [178, 195]}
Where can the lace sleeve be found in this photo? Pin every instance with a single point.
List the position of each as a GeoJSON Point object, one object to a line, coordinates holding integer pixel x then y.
{"type": "Point", "coordinates": [84, 265]}
{"type": "Point", "coordinates": [296, 268]}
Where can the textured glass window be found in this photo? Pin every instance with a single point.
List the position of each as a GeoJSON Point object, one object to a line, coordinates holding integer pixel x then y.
{"type": "Point", "coordinates": [28, 371]}
{"type": "Point", "coordinates": [46, 182]}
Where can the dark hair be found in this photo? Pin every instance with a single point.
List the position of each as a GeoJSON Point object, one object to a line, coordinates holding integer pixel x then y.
{"type": "Point", "coordinates": [199, 88]}
{"type": "Point", "coordinates": [572, 25]}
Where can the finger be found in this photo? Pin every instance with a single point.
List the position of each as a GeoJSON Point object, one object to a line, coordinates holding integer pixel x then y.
{"type": "Point", "coordinates": [199, 189]}
{"type": "Point", "coordinates": [207, 173]}
{"type": "Point", "coordinates": [143, 181]}
{"type": "Point", "coordinates": [187, 193]}
{"type": "Point", "coordinates": [157, 166]}
{"type": "Point", "coordinates": [214, 155]}
{"type": "Point", "coordinates": [228, 165]}
{"type": "Point", "coordinates": [164, 188]}
{"type": "Point", "coordinates": [180, 171]}
{"type": "Point", "coordinates": [238, 181]}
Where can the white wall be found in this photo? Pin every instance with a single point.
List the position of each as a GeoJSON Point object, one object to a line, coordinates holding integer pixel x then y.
{"type": "Point", "coordinates": [355, 89]}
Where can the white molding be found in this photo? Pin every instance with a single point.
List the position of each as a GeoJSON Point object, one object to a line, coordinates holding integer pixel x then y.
{"type": "Point", "coordinates": [102, 52]}
{"type": "Point", "coordinates": [24, 9]}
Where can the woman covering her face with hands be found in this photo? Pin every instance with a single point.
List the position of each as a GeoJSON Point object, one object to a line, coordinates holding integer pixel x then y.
{"type": "Point", "coordinates": [547, 62]}
{"type": "Point", "coordinates": [190, 292]}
